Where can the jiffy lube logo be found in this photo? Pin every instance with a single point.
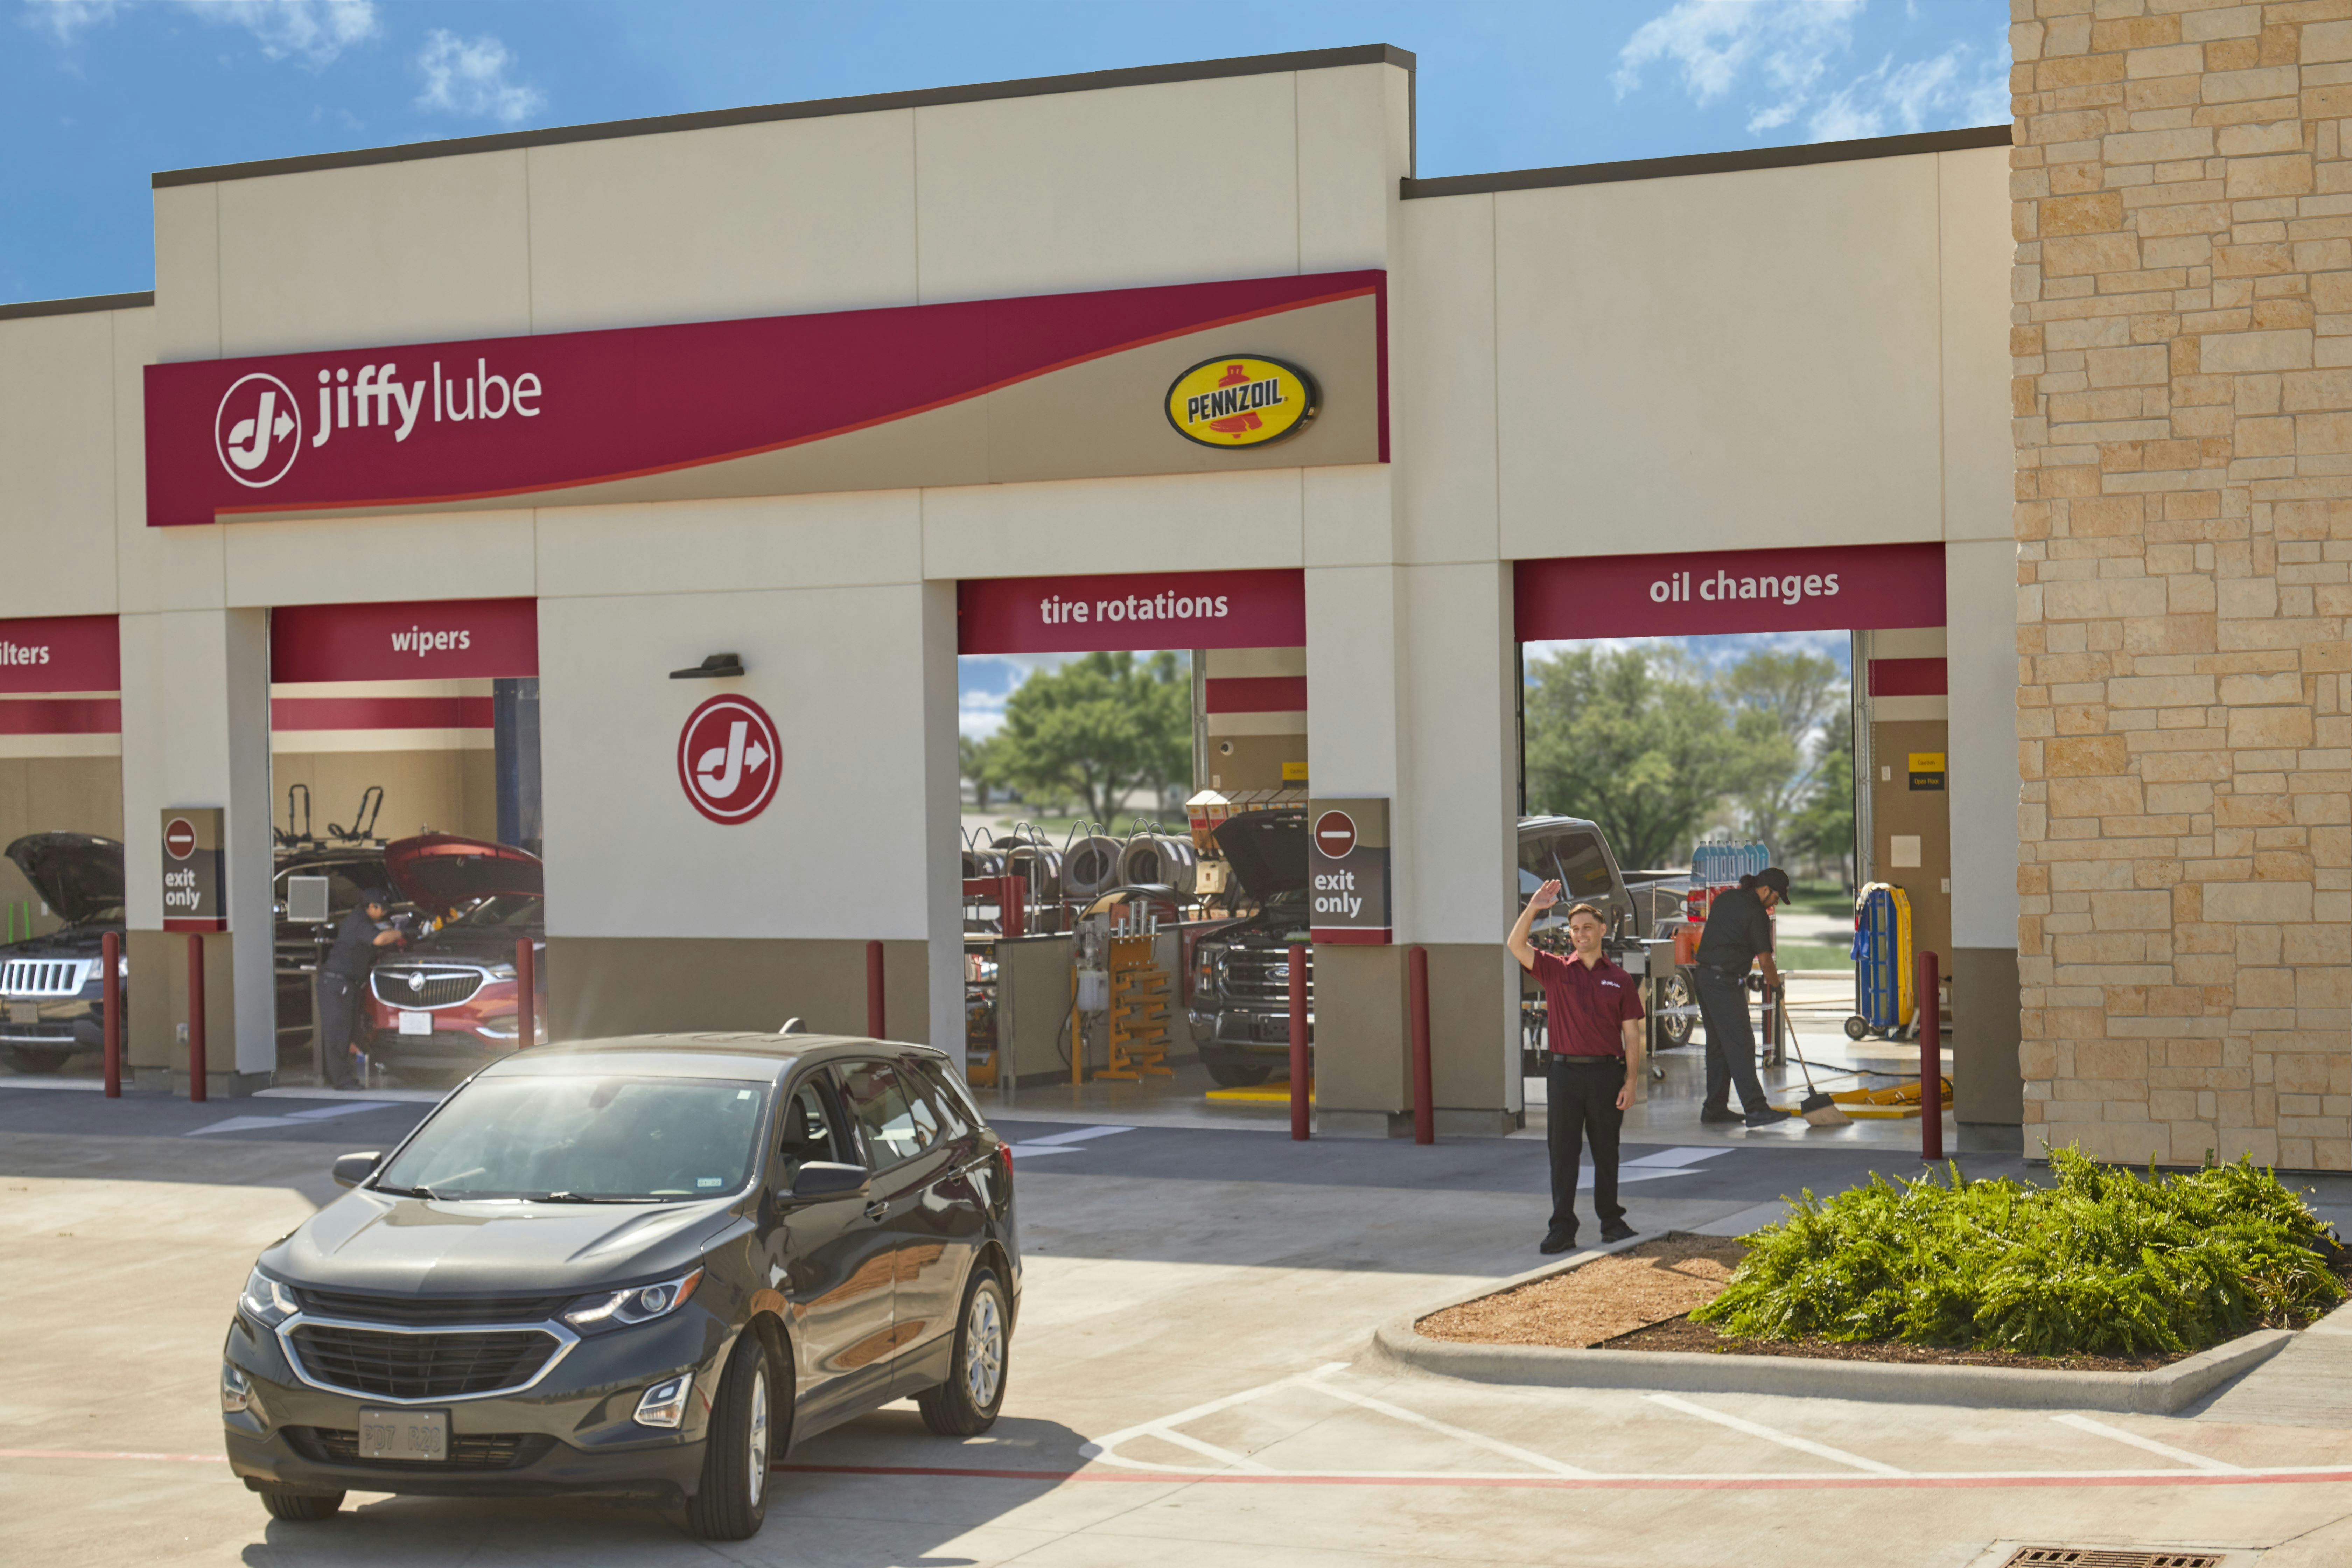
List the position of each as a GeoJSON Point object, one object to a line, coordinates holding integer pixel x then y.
{"type": "Point", "coordinates": [257, 430]}
{"type": "Point", "coordinates": [727, 759]}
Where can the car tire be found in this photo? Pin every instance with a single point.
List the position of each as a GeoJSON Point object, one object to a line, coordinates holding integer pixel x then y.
{"type": "Point", "coordinates": [1228, 1074]}
{"type": "Point", "coordinates": [731, 1502]}
{"type": "Point", "coordinates": [966, 1405]}
{"type": "Point", "coordinates": [38, 1058]}
{"type": "Point", "coordinates": [306, 1507]}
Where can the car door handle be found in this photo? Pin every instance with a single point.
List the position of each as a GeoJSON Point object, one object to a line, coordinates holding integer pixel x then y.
{"type": "Point", "coordinates": [878, 1208]}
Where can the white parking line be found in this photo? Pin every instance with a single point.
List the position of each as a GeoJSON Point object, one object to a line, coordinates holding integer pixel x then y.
{"type": "Point", "coordinates": [1492, 1445]}
{"type": "Point", "coordinates": [2100, 1428]}
{"type": "Point", "coordinates": [292, 1118]}
{"type": "Point", "coordinates": [1787, 1440]}
{"type": "Point", "coordinates": [1062, 1143]}
{"type": "Point", "coordinates": [1168, 1434]}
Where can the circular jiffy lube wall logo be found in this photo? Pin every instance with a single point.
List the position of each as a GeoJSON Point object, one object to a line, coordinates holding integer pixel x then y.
{"type": "Point", "coordinates": [727, 759]}
{"type": "Point", "coordinates": [257, 430]}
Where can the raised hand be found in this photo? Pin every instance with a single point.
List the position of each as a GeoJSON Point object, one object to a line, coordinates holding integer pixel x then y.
{"type": "Point", "coordinates": [1545, 896]}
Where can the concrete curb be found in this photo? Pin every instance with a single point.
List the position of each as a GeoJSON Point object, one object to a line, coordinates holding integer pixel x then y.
{"type": "Point", "coordinates": [2158, 1392]}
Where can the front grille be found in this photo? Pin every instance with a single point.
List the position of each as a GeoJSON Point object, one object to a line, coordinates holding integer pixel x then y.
{"type": "Point", "coordinates": [468, 1451]}
{"type": "Point", "coordinates": [44, 976]}
{"type": "Point", "coordinates": [442, 988]}
{"type": "Point", "coordinates": [426, 1312]}
{"type": "Point", "coordinates": [421, 1366]}
{"type": "Point", "coordinates": [1258, 974]}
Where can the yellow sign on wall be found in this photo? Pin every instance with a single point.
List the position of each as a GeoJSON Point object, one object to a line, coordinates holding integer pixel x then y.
{"type": "Point", "coordinates": [1294, 773]}
{"type": "Point", "coordinates": [1236, 400]}
{"type": "Point", "coordinates": [1926, 770]}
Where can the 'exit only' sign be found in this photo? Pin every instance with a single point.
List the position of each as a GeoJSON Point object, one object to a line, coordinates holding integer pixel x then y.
{"type": "Point", "coordinates": [195, 892]}
{"type": "Point", "coordinates": [1348, 870]}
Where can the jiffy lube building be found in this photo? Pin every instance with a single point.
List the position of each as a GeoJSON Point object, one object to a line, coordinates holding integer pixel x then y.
{"type": "Point", "coordinates": [704, 446]}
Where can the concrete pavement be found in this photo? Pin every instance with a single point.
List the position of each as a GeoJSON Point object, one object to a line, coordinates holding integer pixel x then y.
{"type": "Point", "coordinates": [1189, 1384]}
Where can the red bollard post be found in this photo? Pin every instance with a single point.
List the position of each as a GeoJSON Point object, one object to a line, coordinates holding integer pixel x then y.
{"type": "Point", "coordinates": [526, 995]}
{"type": "Point", "coordinates": [874, 1016]}
{"type": "Point", "coordinates": [1298, 1070]}
{"type": "Point", "coordinates": [1931, 1062]}
{"type": "Point", "coordinates": [110, 992]}
{"type": "Point", "coordinates": [195, 1017]}
{"type": "Point", "coordinates": [1424, 1103]}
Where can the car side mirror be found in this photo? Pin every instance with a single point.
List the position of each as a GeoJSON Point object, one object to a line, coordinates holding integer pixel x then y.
{"type": "Point", "coordinates": [351, 1170]}
{"type": "Point", "coordinates": [828, 1179]}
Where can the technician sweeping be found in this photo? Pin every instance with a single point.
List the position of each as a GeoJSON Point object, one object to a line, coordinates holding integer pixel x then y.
{"type": "Point", "coordinates": [1594, 1014]}
{"type": "Point", "coordinates": [1737, 936]}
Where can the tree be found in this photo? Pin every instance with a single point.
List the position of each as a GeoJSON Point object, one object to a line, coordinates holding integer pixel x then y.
{"type": "Point", "coordinates": [1632, 739]}
{"type": "Point", "coordinates": [1824, 827]}
{"type": "Point", "coordinates": [1098, 727]}
{"type": "Point", "coordinates": [1777, 699]}
{"type": "Point", "coordinates": [982, 762]}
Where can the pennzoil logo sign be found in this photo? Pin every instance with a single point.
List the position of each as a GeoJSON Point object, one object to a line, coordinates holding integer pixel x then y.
{"type": "Point", "coordinates": [1235, 400]}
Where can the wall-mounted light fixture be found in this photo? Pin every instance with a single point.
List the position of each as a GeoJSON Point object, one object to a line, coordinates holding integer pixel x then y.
{"type": "Point", "coordinates": [711, 669]}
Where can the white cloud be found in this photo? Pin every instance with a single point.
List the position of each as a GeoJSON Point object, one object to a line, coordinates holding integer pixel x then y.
{"type": "Point", "coordinates": [1778, 54]}
{"type": "Point", "coordinates": [468, 78]}
{"type": "Point", "coordinates": [308, 32]}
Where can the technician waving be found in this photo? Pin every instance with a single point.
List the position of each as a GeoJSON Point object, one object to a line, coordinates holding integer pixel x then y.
{"type": "Point", "coordinates": [1738, 936]}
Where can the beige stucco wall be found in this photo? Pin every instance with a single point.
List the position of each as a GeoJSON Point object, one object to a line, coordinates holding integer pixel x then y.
{"type": "Point", "coordinates": [2184, 522]}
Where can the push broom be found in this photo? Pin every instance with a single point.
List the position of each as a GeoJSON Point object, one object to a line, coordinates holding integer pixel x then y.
{"type": "Point", "coordinates": [1817, 1107]}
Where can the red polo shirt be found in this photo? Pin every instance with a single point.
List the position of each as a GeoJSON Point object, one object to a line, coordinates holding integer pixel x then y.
{"type": "Point", "coordinates": [1588, 1006]}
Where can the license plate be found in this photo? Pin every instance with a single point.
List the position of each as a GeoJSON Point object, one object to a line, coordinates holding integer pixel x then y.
{"type": "Point", "coordinates": [416, 1023]}
{"type": "Point", "coordinates": [24, 1012]}
{"type": "Point", "coordinates": [404, 1434]}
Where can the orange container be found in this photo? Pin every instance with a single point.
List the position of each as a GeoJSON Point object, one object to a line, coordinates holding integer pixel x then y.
{"type": "Point", "coordinates": [1686, 945]}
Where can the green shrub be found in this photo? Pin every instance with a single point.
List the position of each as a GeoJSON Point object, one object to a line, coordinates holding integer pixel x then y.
{"type": "Point", "coordinates": [2101, 1262]}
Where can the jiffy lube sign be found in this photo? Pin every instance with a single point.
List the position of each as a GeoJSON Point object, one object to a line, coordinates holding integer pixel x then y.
{"type": "Point", "coordinates": [1857, 587]}
{"type": "Point", "coordinates": [427, 639]}
{"type": "Point", "coordinates": [61, 653]}
{"type": "Point", "coordinates": [1134, 611]}
{"type": "Point", "coordinates": [977, 392]}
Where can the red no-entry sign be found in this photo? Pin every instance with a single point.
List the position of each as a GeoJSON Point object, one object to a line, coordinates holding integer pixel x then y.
{"type": "Point", "coordinates": [1335, 834]}
{"type": "Point", "coordinates": [726, 760]}
{"type": "Point", "coordinates": [180, 839]}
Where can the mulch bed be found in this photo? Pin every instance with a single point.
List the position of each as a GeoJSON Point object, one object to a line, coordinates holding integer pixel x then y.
{"type": "Point", "coordinates": [1640, 1299]}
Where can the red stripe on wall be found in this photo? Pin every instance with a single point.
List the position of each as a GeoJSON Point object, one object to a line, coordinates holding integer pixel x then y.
{"type": "Point", "coordinates": [1257, 694]}
{"type": "Point", "coordinates": [287, 713]}
{"type": "Point", "coordinates": [1907, 678]}
{"type": "Point", "coordinates": [62, 716]}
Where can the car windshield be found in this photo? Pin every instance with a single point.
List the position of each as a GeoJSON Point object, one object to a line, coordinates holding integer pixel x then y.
{"type": "Point", "coordinates": [585, 1138]}
{"type": "Point", "coordinates": [505, 911]}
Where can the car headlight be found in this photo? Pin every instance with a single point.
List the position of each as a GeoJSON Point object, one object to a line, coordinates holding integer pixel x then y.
{"type": "Point", "coordinates": [663, 1404]}
{"type": "Point", "coordinates": [236, 1393]}
{"type": "Point", "coordinates": [267, 1301]}
{"type": "Point", "coordinates": [637, 1304]}
{"type": "Point", "coordinates": [499, 971]}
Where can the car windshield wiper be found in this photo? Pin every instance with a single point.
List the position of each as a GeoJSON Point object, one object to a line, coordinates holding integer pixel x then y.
{"type": "Point", "coordinates": [588, 1198]}
{"type": "Point", "coordinates": [419, 1190]}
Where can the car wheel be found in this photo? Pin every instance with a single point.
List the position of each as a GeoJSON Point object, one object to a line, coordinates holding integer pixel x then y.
{"type": "Point", "coordinates": [301, 1506]}
{"type": "Point", "coordinates": [1677, 1028]}
{"type": "Point", "coordinates": [732, 1500]}
{"type": "Point", "coordinates": [35, 1058]}
{"type": "Point", "coordinates": [1228, 1074]}
{"type": "Point", "coordinates": [966, 1405]}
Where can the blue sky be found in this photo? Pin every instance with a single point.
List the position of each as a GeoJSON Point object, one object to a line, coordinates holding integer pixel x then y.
{"type": "Point", "coordinates": [95, 95]}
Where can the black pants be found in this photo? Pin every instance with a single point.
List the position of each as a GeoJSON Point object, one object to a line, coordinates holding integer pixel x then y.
{"type": "Point", "coordinates": [1581, 1105]}
{"type": "Point", "coordinates": [1730, 1041]}
{"type": "Point", "coordinates": [338, 1014]}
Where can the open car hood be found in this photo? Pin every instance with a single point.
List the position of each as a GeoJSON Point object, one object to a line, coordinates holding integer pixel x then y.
{"type": "Point", "coordinates": [443, 871]}
{"type": "Point", "coordinates": [1267, 850]}
{"type": "Point", "coordinates": [79, 875]}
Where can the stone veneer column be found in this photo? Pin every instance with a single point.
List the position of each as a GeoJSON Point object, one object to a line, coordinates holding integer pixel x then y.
{"type": "Point", "coordinates": [2183, 186]}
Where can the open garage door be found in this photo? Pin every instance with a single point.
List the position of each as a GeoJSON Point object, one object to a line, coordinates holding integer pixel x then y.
{"type": "Point", "coordinates": [1151, 732]}
{"type": "Point", "coordinates": [404, 758]}
{"type": "Point", "coordinates": [1687, 718]}
{"type": "Point", "coordinates": [60, 836]}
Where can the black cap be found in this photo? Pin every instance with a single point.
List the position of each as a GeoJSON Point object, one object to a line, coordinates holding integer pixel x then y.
{"type": "Point", "coordinates": [384, 897]}
{"type": "Point", "coordinates": [1774, 877]}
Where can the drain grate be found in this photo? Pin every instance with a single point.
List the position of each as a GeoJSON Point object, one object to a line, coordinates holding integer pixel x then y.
{"type": "Point", "coordinates": [2108, 1557]}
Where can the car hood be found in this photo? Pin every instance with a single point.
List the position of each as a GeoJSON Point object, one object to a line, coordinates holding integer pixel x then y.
{"type": "Point", "coordinates": [1267, 850]}
{"type": "Point", "coordinates": [476, 945]}
{"type": "Point", "coordinates": [77, 874]}
{"type": "Point", "coordinates": [441, 870]}
{"type": "Point", "coordinates": [374, 1244]}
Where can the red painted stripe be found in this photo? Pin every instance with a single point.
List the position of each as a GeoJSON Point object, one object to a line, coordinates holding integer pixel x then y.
{"type": "Point", "coordinates": [1257, 694]}
{"type": "Point", "coordinates": [62, 716]}
{"type": "Point", "coordinates": [1351, 936]}
{"type": "Point", "coordinates": [1601, 1483]}
{"type": "Point", "coordinates": [1908, 678]}
{"type": "Point", "coordinates": [293, 714]}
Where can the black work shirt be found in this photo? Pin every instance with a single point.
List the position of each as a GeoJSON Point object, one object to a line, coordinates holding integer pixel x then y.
{"type": "Point", "coordinates": [1586, 1005]}
{"type": "Point", "coordinates": [354, 953]}
{"type": "Point", "coordinates": [1738, 929]}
